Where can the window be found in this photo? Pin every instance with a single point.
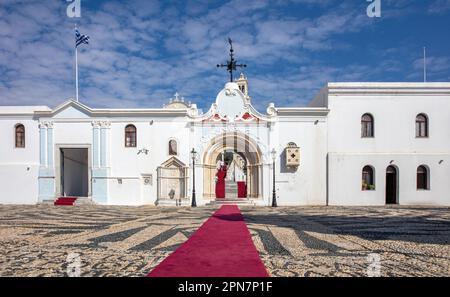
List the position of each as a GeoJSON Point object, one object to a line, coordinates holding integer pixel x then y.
{"type": "Point", "coordinates": [130, 136]}
{"type": "Point", "coordinates": [368, 181]}
{"type": "Point", "coordinates": [421, 126]}
{"type": "Point", "coordinates": [20, 136]}
{"type": "Point", "coordinates": [367, 126]}
{"type": "Point", "coordinates": [173, 150]}
{"type": "Point", "coordinates": [422, 178]}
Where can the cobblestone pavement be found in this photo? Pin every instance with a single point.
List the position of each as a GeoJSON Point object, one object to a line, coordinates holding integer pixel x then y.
{"type": "Point", "coordinates": [297, 241]}
{"type": "Point", "coordinates": [338, 241]}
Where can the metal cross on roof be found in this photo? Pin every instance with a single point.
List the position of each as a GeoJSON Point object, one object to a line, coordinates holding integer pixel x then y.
{"type": "Point", "coordinates": [232, 63]}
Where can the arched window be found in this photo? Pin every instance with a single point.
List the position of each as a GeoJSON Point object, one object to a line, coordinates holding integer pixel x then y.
{"type": "Point", "coordinates": [173, 148]}
{"type": "Point", "coordinates": [368, 179]}
{"type": "Point", "coordinates": [20, 136]}
{"type": "Point", "coordinates": [367, 126]}
{"type": "Point", "coordinates": [423, 178]}
{"type": "Point", "coordinates": [421, 126]}
{"type": "Point", "coordinates": [130, 136]}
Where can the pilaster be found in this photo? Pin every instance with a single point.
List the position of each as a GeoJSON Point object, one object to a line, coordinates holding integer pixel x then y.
{"type": "Point", "coordinates": [100, 166]}
{"type": "Point", "coordinates": [47, 167]}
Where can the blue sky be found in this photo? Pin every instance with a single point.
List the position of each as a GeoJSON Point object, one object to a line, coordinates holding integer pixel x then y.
{"type": "Point", "coordinates": [142, 52]}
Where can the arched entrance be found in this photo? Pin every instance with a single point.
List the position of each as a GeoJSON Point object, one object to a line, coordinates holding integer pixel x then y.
{"type": "Point", "coordinates": [391, 185]}
{"type": "Point", "coordinates": [242, 156]}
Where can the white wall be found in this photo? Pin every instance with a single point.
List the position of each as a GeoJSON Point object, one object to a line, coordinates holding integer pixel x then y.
{"type": "Point", "coordinates": [395, 117]}
{"type": "Point", "coordinates": [394, 114]}
{"type": "Point", "coordinates": [127, 193]}
{"type": "Point", "coordinates": [70, 132]}
{"type": "Point", "coordinates": [131, 167]}
{"type": "Point", "coordinates": [19, 167]}
{"type": "Point", "coordinates": [307, 184]}
{"type": "Point", "coordinates": [345, 171]}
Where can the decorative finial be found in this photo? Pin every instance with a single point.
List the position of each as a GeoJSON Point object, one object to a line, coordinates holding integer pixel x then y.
{"type": "Point", "coordinates": [232, 63]}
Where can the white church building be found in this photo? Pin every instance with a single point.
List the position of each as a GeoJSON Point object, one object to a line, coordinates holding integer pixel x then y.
{"type": "Point", "coordinates": [355, 144]}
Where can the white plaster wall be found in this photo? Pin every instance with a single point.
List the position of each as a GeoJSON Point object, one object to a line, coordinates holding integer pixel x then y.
{"type": "Point", "coordinates": [394, 117]}
{"type": "Point", "coordinates": [306, 185]}
{"type": "Point", "coordinates": [125, 162]}
{"type": "Point", "coordinates": [345, 174]}
{"type": "Point", "coordinates": [78, 133]}
{"type": "Point", "coordinates": [19, 166]}
{"type": "Point", "coordinates": [127, 193]}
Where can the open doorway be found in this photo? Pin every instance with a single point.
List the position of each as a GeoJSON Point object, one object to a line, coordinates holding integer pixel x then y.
{"type": "Point", "coordinates": [74, 172]}
{"type": "Point", "coordinates": [391, 185]}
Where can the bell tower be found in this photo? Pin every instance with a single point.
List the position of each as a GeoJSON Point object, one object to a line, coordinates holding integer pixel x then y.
{"type": "Point", "coordinates": [242, 82]}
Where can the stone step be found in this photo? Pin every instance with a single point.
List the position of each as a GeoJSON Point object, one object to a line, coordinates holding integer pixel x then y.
{"type": "Point", "coordinates": [79, 201]}
{"type": "Point", "coordinates": [174, 202]}
{"type": "Point", "coordinates": [84, 201]}
{"type": "Point", "coordinates": [47, 202]}
{"type": "Point", "coordinates": [231, 188]}
{"type": "Point", "coordinates": [229, 201]}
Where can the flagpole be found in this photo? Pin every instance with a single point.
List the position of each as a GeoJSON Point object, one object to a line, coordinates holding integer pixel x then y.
{"type": "Point", "coordinates": [76, 66]}
{"type": "Point", "coordinates": [424, 64]}
{"type": "Point", "coordinates": [76, 71]}
{"type": "Point", "coordinates": [79, 39]}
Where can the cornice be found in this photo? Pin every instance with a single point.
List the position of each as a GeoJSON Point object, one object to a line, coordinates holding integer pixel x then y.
{"type": "Point", "coordinates": [302, 111]}
{"type": "Point", "coordinates": [104, 112]}
{"type": "Point", "coordinates": [352, 88]}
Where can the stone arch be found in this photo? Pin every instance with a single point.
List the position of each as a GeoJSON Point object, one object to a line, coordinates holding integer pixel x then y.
{"type": "Point", "coordinates": [246, 147]}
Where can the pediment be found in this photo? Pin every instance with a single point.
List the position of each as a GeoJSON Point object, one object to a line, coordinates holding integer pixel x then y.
{"type": "Point", "coordinates": [71, 113]}
{"type": "Point", "coordinates": [173, 162]}
{"type": "Point", "coordinates": [71, 110]}
{"type": "Point", "coordinates": [231, 107]}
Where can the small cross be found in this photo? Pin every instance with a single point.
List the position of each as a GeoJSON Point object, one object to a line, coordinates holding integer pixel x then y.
{"type": "Point", "coordinates": [232, 63]}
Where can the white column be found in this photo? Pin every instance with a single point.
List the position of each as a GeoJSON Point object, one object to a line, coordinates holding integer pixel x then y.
{"type": "Point", "coordinates": [96, 145]}
{"type": "Point", "coordinates": [50, 146]}
{"type": "Point", "coordinates": [43, 144]}
{"type": "Point", "coordinates": [103, 143]}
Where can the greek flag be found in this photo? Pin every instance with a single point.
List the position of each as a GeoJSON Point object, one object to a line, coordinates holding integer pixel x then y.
{"type": "Point", "coordinates": [80, 39]}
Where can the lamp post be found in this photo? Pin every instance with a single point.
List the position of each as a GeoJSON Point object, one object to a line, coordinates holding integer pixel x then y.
{"type": "Point", "coordinates": [193, 155]}
{"type": "Point", "coordinates": [274, 193]}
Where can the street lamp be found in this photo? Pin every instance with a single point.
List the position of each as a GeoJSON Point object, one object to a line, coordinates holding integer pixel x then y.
{"type": "Point", "coordinates": [274, 193]}
{"type": "Point", "coordinates": [193, 155]}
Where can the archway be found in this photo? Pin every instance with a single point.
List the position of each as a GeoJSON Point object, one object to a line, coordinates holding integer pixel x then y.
{"type": "Point", "coordinates": [233, 147]}
{"type": "Point", "coordinates": [391, 185]}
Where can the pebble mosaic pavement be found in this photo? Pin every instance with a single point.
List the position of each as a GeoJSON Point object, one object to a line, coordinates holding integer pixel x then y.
{"type": "Point", "coordinates": [292, 241]}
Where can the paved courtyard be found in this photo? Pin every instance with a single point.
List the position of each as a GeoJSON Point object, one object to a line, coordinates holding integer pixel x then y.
{"type": "Point", "coordinates": [296, 241]}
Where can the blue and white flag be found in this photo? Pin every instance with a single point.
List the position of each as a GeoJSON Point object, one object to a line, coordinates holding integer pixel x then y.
{"type": "Point", "coordinates": [80, 39]}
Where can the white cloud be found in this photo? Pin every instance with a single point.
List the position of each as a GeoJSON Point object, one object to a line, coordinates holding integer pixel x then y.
{"type": "Point", "coordinates": [439, 7]}
{"type": "Point", "coordinates": [142, 52]}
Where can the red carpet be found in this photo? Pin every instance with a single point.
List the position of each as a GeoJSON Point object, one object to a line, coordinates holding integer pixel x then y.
{"type": "Point", "coordinates": [221, 247]}
{"type": "Point", "coordinates": [70, 201]}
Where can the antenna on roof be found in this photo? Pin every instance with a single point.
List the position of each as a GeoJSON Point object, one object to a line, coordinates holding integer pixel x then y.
{"type": "Point", "coordinates": [424, 64]}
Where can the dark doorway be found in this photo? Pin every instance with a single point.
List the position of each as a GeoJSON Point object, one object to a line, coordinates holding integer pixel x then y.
{"type": "Point", "coordinates": [74, 172]}
{"type": "Point", "coordinates": [391, 185]}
